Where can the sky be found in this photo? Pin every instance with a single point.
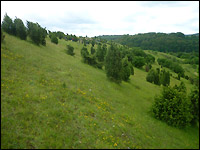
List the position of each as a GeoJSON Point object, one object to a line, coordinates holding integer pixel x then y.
{"type": "Point", "coordinates": [94, 18]}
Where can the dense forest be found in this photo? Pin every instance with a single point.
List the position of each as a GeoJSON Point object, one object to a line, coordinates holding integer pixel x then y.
{"type": "Point", "coordinates": [163, 42]}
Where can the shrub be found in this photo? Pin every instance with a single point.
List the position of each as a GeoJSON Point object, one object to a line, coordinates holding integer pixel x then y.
{"type": "Point", "coordinates": [54, 39]}
{"type": "Point", "coordinates": [186, 77]}
{"type": "Point", "coordinates": [172, 106]}
{"type": "Point", "coordinates": [149, 58]}
{"type": "Point", "coordinates": [70, 50]}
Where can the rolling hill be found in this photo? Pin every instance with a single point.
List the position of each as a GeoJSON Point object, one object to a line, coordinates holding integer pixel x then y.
{"type": "Point", "coordinates": [53, 100]}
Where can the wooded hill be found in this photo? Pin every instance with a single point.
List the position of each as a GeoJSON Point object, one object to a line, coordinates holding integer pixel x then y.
{"type": "Point", "coordinates": [163, 42]}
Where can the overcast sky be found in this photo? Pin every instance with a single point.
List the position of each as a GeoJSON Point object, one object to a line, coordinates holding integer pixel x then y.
{"type": "Point", "coordinates": [93, 18]}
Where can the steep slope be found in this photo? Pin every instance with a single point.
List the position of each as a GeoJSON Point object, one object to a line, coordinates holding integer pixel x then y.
{"type": "Point", "coordinates": [52, 100]}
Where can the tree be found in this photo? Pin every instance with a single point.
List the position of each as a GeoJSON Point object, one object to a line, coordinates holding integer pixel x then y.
{"type": "Point", "coordinates": [150, 76]}
{"type": "Point", "coordinates": [8, 25]}
{"type": "Point", "coordinates": [126, 69]}
{"type": "Point", "coordinates": [164, 77]}
{"type": "Point", "coordinates": [153, 76]}
{"type": "Point", "coordinates": [92, 50]}
{"type": "Point", "coordinates": [113, 64]}
{"type": "Point", "coordinates": [44, 35]}
{"type": "Point", "coordinates": [84, 54]}
{"type": "Point", "coordinates": [84, 41]}
{"type": "Point", "coordinates": [194, 99]}
{"type": "Point", "coordinates": [157, 77]}
{"type": "Point", "coordinates": [36, 33]}
{"type": "Point", "coordinates": [101, 52]}
{"type": "Point", "coordinates": [20, 29]}
{"type": "Point", "coordinates": [93, 43]}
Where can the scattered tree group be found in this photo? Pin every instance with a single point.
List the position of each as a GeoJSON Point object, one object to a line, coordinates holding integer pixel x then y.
{"type": "Point", "coordinates": [158, 77]}
{"type": "Point", "coordinates": [17, 28]}
{"type": "Point", "coordinates": [171, 65]}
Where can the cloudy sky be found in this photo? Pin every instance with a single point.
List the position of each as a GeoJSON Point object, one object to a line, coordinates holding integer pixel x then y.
{"type": "Point", "coordinates": [93, 18]}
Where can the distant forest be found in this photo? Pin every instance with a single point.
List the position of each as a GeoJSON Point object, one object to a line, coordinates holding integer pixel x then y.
{"type": "Point", "coordinates": [163, 42]}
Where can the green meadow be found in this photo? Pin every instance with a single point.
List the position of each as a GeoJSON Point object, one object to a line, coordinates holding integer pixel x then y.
{"type": "Point", "coordinates": [53, 100]}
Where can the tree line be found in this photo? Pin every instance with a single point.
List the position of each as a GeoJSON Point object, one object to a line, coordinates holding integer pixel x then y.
{"type": "Point", "coordinates": [17, 28]}
{"type": "Point", "coordinates": [173, 42]}
{"type": "Point", "coordinates": [36, 33]}
{"type": "Point", "coordinates": [171, 65]}
{"type": "Point", "coordinates": [117, 60]}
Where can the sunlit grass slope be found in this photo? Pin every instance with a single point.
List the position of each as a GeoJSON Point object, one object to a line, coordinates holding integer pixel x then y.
{"type": "Point", "coordinates": [53, 100]}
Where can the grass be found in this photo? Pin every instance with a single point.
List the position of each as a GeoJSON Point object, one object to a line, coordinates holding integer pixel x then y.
{"type": "Point", "coordinates": [52, 100]}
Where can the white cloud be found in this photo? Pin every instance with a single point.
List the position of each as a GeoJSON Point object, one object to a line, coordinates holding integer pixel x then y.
{"type": "Point", "coordinates": [108, 17]}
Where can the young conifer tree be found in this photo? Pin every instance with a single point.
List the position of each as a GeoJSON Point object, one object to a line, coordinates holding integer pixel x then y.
{"type": "Point", "coordinates": [126, 67]}
{"type": "Point", "coordinates": [8, 25]}
{"type": "Point", "coordinates": [20, 29]}
{"type": "Point", "coordinates": [113, 64]}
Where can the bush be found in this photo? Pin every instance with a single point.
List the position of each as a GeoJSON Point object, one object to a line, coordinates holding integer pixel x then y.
{"type": "Point", "coordinates": [70, 50]}
{"type": "Point", "coordinates": [172, 106]}
{"type": "Point", "coordinates": [54, 39]}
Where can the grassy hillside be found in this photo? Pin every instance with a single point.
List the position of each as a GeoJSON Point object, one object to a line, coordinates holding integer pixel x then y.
{"type": "Point", "coordinates": [52, 100]}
